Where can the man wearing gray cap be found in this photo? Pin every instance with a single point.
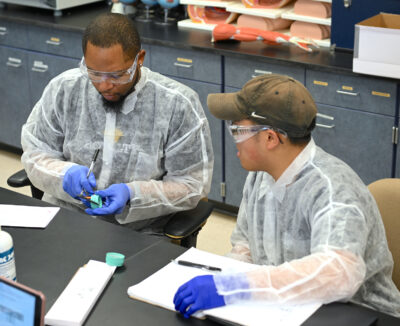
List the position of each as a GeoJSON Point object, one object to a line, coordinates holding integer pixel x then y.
{"type": "Point", "coordinates": [306, 217]}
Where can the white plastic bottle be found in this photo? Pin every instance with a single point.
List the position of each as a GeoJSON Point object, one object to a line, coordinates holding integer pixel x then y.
{"type": "Point", "coordinates": [7, 261]}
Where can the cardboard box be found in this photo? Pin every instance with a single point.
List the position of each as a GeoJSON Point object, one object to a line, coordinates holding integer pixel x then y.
{"type": "Point", "coordinates": [377, 46]}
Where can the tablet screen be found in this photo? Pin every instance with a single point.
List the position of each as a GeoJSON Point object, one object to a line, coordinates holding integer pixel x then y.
{"type": "Point", "coordinates": [19, 305]}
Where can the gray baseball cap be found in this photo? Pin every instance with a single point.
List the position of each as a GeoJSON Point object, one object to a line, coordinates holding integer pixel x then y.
{"type": "Point", "coordinates": [275, 100]}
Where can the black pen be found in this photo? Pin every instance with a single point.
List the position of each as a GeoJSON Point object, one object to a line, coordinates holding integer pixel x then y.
{"type": "Point", "coordinates": [94, 158]}
{"type": "Point", "coordinates": [195, 265]}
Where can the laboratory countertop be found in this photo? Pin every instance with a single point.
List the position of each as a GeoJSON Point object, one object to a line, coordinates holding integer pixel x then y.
{"type": "Point", "coordinates": [76, 19]}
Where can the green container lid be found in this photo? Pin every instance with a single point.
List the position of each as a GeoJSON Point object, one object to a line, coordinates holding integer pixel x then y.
{"type": "Point", "coordinates": [115, 259]}
{"type": "Point", "coordinates": [96, 201]}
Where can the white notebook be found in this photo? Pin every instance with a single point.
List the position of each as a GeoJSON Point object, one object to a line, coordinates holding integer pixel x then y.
{"type": "Point", "coordinates": [78, 298]}
{"type": "Point", "coordinates": [159, 289]}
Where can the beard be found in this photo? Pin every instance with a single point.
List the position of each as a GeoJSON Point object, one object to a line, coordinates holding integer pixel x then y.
{"type": "Point", "coordinates": [116, 106]}
{"type": "Point", "coordinates": [113, 106]}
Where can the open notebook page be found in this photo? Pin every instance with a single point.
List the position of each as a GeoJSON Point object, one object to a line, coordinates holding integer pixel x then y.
{"type": "Point", "coordinates": [159, 289]}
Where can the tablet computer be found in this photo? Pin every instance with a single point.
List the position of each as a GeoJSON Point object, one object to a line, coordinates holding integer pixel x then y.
{"type": "Point", "coordinates": [20, 305]}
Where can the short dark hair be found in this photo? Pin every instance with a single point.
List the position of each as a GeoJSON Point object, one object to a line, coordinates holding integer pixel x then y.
{"type": "Point", "coordinates": [305, 139]}
{"type": "Point", "coordinates": [110, 29]}
{"type": "Point", "coordinates": [293, 140]}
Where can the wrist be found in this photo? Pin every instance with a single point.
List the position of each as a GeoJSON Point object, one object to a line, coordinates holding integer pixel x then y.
{"type": "Point", "coordinates": [129, 191]}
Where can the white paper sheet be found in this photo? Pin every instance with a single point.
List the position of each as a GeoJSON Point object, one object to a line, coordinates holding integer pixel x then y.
{"type": "Point", "coordinates": [160, 288]}
{"type": "Point", "coordinates": [26, 216]}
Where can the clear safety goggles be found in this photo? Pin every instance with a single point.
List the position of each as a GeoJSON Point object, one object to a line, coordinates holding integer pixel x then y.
{"type": "Point", "coordinates": [114, 77]}
{"type": "Point", "coordinates": [242, 133]}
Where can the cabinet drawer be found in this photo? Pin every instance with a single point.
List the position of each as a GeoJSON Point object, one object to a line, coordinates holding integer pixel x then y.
{"type": "Point", "coordinates": [365, 94]}
{"type": "Point", "coordinates": [13, 34]}
{"type": "Point", "coordinates": [14, 99]}
{"type": "Point", "coordinates": [44, 67]}
{"type": "Point", "coordinates": [240, 71]}
{"type": "Point", "coordinates": [186, 64]}
{"type": "Point", "coordinates": [68, 44]}
{"type": "Point", "coordinates": [361, 139]}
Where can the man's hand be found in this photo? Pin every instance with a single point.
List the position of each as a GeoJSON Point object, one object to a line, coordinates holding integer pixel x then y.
{"type": "Point", "coordinates": [75, 180]}
{"type": "Point", "coordinates": [114, 198]}
{"type": "Point", "coordinates": [197, 294]}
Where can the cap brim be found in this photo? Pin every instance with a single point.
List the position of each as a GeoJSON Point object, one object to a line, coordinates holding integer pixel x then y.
{"type": "Point", "coordinates": [225, 106]}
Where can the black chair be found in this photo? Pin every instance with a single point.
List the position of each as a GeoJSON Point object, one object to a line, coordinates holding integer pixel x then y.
{"type": "Point", "coordinates": [182, 229]}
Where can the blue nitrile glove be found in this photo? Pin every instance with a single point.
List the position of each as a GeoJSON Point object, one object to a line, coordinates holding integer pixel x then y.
{"type": "Point", "coordinates": [75, 180]}
{"type": "Point", "coordinates": [197, 294]}
{"type": "Point", "coordinates": [114, 198]}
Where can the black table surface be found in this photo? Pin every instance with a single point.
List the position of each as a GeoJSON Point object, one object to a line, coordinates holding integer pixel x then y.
{"type": "Point", "coordinates": [46, 259]}
{"type": "Point", "coordinates": [77, 18]}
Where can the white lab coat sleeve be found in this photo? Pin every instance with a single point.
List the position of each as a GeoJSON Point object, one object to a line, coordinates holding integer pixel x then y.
{"type": "Point", "coordinates": [321, 277]}
{"type": "Point", "coordinates": [188, 159]}
{"type": "Point", "coordinates": [334, 269]}
{"type": "Point", "coordinates": [239, 239]}
{"type": "Point", "coordinates": [42, 141]}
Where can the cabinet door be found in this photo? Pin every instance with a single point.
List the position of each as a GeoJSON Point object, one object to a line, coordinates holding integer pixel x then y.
{"type": "Point", "coordinates": [363, 140]}
{"type": "Point", "coordinates": [194, 65]}
{"type": "Point", "coordinates": [203, 89]}
{"type": "Point", "coordinates": [55, 41]}
{"type": "Point", "coordinates": [44, 67]}
{"type": "Point", "coordinates": [376, 95]}
{"type": "Point", "coordinates": [13, 34]}
{"type": "Point", "coordinates": [240, 71]}
{"type": "Point", "coordinates": [15, 95]}
{"type": "Point", "coordinates": [235, 175]}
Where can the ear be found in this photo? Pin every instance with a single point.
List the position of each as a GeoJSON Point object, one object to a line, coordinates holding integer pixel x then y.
{"type": "Point", "coordinates": [142, 54]}
{"type": "Point", "coordinates": [272, 139]}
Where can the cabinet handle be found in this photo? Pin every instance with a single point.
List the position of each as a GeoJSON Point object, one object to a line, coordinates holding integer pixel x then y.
{"type": "Point", "coordinates": [258, 72]}
{"type": "Point", "coordinates": [3, 31]}
{"type": "Point", "coordinates": [346, 3]}
{"type": "Point", "coordinates": [325, 126]}
{"type": "Point", "coordinates": [14, 62]}
{"type": "Point", "coordinates": [395, 135]}
{"type": "Point", "coordinates": [53, 42]}
{"type": "Point", "coordinates": [37, 69]}
{"type": "Point", "coordinates": [39, 66]}
{"type": "Point", "coordinates": [346, 93]}
{"type": "Point", "coordinates": [178, 64]}
{"type": "Point", "coordinates": [324, 116]}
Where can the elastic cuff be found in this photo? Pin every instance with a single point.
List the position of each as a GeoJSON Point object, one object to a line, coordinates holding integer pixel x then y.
{"type": "Point", "coordinates": [234, 287]}
{"type": "Point", "coordinates": [67, 167]}
{"type": "Point", "coordinates": [131, 192]}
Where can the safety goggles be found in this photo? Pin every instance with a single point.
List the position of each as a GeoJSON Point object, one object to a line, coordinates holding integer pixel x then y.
{"type": "Point", "coordinates": [115, 77]}
{"type": "Point", "coordinates": [242, 133]}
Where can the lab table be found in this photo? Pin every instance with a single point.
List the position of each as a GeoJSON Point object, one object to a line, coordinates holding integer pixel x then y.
{"type": "Point", "coordinates": [46, 259]}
